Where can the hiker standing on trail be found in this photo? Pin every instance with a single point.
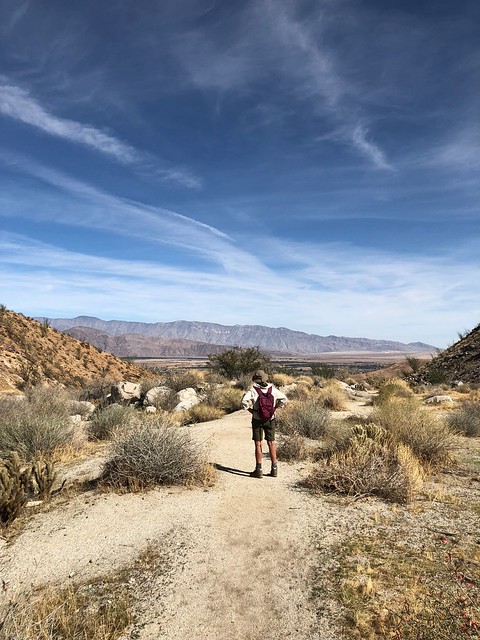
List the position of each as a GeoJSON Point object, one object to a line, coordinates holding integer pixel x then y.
{"type": "Point", "coordinates": [261, 400]}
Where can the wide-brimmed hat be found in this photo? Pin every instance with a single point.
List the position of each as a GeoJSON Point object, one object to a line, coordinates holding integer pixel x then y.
{"type": "Point", "coordinates": [260, 376]}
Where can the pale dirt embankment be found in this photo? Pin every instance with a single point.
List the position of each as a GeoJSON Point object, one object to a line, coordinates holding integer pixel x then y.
{"type": "Point", "coordinates": [243, 552]}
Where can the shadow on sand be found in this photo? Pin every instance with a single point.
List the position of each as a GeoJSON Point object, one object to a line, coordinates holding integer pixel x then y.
{"type": "Point", "coordinates": [237, 472]}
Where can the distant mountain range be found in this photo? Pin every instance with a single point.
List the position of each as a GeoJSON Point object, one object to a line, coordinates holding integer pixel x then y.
{"type": "Point", "coordinates": [201, 338]}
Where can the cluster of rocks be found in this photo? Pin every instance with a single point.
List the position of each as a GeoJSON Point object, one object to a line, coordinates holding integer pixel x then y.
{"type": "Point", "coordinates": [131, 393]}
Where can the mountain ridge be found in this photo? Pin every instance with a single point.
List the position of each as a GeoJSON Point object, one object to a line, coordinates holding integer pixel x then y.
{"type": "Point", "coordinates": [280, 339]}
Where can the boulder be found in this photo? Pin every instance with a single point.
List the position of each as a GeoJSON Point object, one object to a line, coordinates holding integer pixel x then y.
{"type": "Point", "coordinates": [288, 388]}
{"type": "Point", "coordinates": [76, 419]}
{"type": "Point", "coordinates": [439, 400]}
{"type": "Point", "coordinates": [154, 394]}
{"type": "Point", "coordinates": [187, 398]}
{"type": "Point", "coordinates": [125, 392]}
{"type": "Point", "coordinates": [151, 409]}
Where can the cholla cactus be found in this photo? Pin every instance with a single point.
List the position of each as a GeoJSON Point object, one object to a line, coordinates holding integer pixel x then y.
{"type": "Point", "coordinates": [42, 478]}
{"type": "Point", "coordinates": [14, 483]}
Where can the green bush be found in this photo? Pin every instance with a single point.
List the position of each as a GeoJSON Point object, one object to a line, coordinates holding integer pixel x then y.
{"type": "Point", "coordinates": [154, 454]}
{"type": "Point", "coordinates": [466, 419]}
{"type": "Point", "coordinates": [238, 361]}
{"type": "Point", "coordinates": [36, 425]}
{"type": "Point", "coordinates": [106, 421]}
{"type": "Point", "coordinates": [393, 388]}
{"type": "Point", "coordinates": [178, 380]}
{"type": "Point", "coordinates": [308, 418]}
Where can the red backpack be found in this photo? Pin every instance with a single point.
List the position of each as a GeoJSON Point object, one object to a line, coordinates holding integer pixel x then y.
{"type": "Point", "coordinates": [266, 404]}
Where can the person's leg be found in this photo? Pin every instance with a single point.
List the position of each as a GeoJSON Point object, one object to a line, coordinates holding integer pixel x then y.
{"type": "Point", "coordinates": [258, 453]}
{"type": "Point", "coordinates": [272, 449]}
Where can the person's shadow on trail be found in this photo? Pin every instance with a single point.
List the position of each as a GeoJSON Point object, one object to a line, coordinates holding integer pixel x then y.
{"type": "Point", "coordinates": [237, 472]}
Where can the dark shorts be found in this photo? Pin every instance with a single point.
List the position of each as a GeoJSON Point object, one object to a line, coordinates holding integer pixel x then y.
{"type": "Point", "coordinates": [259, 428]}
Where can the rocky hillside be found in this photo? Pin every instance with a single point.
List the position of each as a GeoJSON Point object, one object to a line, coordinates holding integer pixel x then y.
{"type": "Point", "coordinates": [273, 339]}
{"type": "Point", "coordinates": [135, 345]}
{"type": "Point", "coordinates": [461, 361]}
{"type": "Point", "coordinates": [32, 352]}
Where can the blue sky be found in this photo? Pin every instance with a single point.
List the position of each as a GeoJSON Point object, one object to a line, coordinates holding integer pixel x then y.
{"type": "Point", "coordinates": [304, 163]}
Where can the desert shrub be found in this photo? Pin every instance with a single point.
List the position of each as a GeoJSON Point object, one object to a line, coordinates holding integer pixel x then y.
{"type": "Point", "coordinates": [308, 418]}
{"type": "Point", "coordinates": [106, 421]}
{"type": "Point", "coordinates": [154, 454]}
{"type": "Point", "coordinates": [332, 397]}
{"type": "Point", "coordinates": [303, 379]}
{"type": "Point", "coordinates": [204, 413]}
{"type": "Point", "coordinates": [395, 387]}
{"type": "Point", "coordinates": [466, 419]}
{"type": "Point", "coordinates": [371, 464]}
{"type": "Point", "coordinates": [236, 361]}
{"type": "Point", "coordinates": [300, 392]}
{"type": "Point", "coordinates": [213, 377]}
{"type": "Point", "coordinates": [96, 390]}
{"type": "Point", "coordinates": [36, 425]}
{"type": "Point", "coordinates": [78, 408]}
{"type": "Point", "coordinates": [165, 401]}
{"type": "Point", "coordinates": [412, 424]}
{"type": "Point", "coordinates": [436, 375]}
{"type": "Point", "coordinates": [281, 379]}
{"type": "Point", "coordinates": [243, 382]}
{"type": "Point", "coordinates": [322, 370]}
{"type": "Point", "coordinates": [178, 380]}
{"type": "Point", "coordinates": [227, 399]}
{"type": "Point", "coordinates": [291, 448]}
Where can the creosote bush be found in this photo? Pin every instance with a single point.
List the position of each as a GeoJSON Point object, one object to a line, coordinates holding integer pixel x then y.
{"type": "Point", "coordinates": [238, 361]}
{"type": "Point", "coordinates": [466, 419]}
{"type": "Point", "coordinates": [308, 418]}
{"type": "Point", "coordinates": [36, 425]}
{"type": "Point", "coordinates": [372, 463]}
{"type": "Point", "coordinates": [154, 454]}
{"type": "Point", "coordinates": [109, 419]}
{"type": "Point", "coordinates": [204, 413]}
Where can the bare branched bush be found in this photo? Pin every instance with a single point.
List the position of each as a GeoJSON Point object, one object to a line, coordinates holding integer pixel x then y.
{"type": "Point", "coordinates": [110, 419]}
{"type": "Point", "coordinates": [36, 425]}
{"type": "Point", "coordinates": [204, 413]}
{"type": "Point", "coordinates": [291, 448]}
{"type": "Point", "coordinates": [408, 422]}
{"type": "Point", "coordinates": [308, 418]}
{"type": "Point", "coordinates": [154, 454]}
{"type": "Point", "coordinates": [466, 419]}
{"type": "Point", "coordinates": [371, 464]}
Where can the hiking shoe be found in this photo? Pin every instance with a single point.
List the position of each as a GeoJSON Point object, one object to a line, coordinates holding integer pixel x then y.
{"type": "Point", "coordinates": [273, 472]}
{"type": "Point", "coordinates": [258, 473]}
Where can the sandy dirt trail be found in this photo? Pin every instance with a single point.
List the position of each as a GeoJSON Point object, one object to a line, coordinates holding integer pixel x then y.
{"type": "Point", "coordinates": [246, 547]}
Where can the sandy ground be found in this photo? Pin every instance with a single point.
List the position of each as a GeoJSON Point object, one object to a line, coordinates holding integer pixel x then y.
{"type": "Point", "coordinates": [246, 549]}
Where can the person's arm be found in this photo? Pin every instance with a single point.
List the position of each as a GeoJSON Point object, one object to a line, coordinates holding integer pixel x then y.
{"type": "Point", "coordinates": [280, 398]}
{"type": "Point", "coordinates": [248, 400]}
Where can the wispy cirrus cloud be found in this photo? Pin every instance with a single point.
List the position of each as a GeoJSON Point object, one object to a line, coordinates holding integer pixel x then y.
{"type": "Point", "coordinates": [18, 104]}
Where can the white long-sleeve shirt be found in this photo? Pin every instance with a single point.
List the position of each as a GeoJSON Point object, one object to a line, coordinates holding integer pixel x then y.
{"type": "Point", "coordinates": [250, 399]}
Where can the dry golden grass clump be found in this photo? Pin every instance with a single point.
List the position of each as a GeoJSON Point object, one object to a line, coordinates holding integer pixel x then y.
{"type": "Point", "coordinates": [371, 463]}
{"type": "Point", "coordinates": [281, 379]}
{"type": "Point", "coordinates": [154, 453]}
{"type": "Point", "coordinates": [228, 399]}
{"type": "Point", "coordinates": [396, 387]}
{"type": "Point", "coordinates": [332, 397]}
{"type": "Point", "coordinates": [204, 413]}
{"type": "Point", "coordinates": [407, 421]}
